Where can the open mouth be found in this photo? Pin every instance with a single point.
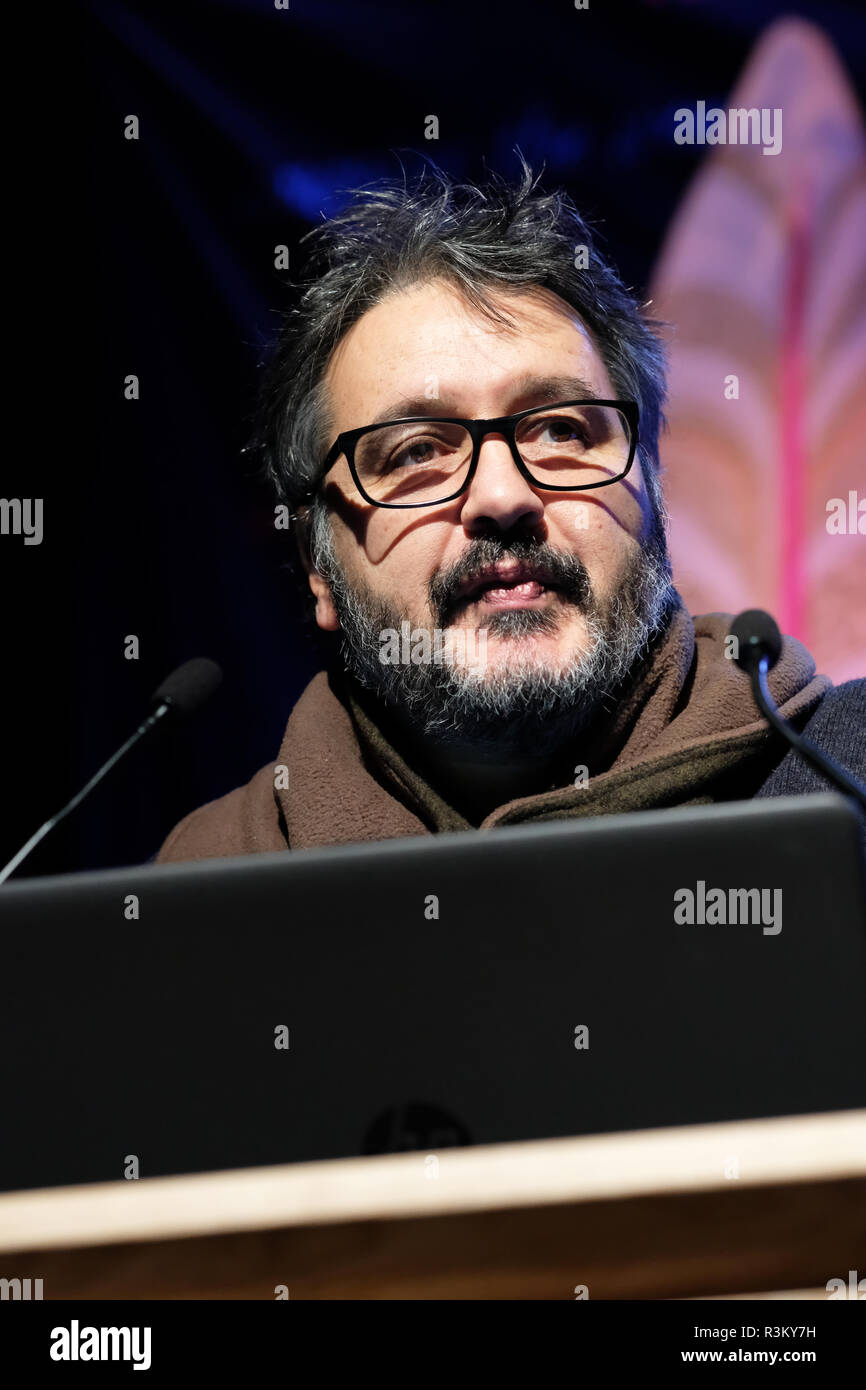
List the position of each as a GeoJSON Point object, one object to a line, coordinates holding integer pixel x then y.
{"type": "Point", "coordinates": [508, 587]}
{"type": "Point", "coordinates": [517, 595]}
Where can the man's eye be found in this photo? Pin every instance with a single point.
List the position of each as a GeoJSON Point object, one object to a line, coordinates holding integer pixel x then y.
{"type": "Point", "coordinates": [558, 431]}
{"type": "Point", "coordinates": [411, 455]}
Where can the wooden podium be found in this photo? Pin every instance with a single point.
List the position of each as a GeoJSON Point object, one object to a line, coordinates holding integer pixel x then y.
{"type": "Point", "coordinates": [769, 1208]}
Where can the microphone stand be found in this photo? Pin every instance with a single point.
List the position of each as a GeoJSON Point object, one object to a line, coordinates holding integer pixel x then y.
{"type": "Point", "coordinates": [144, 728]}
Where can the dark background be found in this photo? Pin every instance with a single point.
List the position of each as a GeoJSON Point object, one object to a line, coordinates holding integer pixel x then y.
{"type": "Point", "coordinates": [156, 258]}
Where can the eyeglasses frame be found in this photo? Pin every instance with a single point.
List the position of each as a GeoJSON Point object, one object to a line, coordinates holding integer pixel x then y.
{"type": "Point", "coordinates": [478, 430]}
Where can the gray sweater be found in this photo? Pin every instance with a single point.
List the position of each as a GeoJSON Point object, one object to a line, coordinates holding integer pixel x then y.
{"type": "Point", "coordinates": [838, 727]}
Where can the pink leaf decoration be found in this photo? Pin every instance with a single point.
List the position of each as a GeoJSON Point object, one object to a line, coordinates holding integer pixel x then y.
{"type": "Point", "coordinates": [763, 278]}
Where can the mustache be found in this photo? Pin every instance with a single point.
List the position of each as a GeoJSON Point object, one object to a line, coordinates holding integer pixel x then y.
{"type": "Point", "coordinates": [567, 573]}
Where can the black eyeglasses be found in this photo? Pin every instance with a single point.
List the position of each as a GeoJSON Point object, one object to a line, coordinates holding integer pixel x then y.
{"type": "Point", "coordinates": [424, 461]}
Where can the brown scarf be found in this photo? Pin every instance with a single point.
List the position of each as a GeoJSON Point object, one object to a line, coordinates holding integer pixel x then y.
{"type": "Point", "coordinates": [687, 734]}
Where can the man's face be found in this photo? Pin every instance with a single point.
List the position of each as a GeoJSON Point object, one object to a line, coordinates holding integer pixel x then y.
{"type": "Point", "coordinates": [424, 350]}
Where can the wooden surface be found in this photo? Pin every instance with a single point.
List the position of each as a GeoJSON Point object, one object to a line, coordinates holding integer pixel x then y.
{"type": "Point", "coordinates": [653, 1214]}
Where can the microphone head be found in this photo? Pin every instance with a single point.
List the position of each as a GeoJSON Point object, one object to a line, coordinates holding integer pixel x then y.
{"type": "Point", "coordinates": [189, 685]}
{"type": "Point", "coordinates": [757, 636]}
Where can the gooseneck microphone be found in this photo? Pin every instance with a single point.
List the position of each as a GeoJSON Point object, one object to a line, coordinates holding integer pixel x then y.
{"type": "Point", "coordinates": [759, 646]}
{"type": "Point", "coordinates": [180, 694]}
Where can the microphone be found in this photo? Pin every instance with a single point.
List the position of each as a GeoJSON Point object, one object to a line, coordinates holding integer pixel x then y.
{"type": "Point", "coordinates": [188, 687]}
{"type": "Point", "coordinates": [180, 695]}
{"type": "Point", "coordinates": [759, 646]}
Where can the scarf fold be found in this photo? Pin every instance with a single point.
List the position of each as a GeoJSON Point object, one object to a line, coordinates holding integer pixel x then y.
{"type": "Point", "coordinates": [687, 733]}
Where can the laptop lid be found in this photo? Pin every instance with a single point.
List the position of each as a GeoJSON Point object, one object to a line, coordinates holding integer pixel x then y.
{"type": "Point", "coordinates": [659, 968]}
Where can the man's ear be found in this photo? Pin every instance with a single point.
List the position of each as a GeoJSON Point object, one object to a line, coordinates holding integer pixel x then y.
{"type": "Point", "coordinates": [326, 613]}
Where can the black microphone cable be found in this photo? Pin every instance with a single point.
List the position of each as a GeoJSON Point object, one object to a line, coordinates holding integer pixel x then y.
{"type": "Point", "coordinates": [759, 646]}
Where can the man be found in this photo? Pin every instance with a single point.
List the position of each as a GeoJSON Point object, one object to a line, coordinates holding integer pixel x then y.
{"type": "Point", "coordinates": [462, 415]}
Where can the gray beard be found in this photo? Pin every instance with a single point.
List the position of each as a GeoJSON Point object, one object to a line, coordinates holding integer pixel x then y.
{"type": "Point", "coordinates": [522, 710]}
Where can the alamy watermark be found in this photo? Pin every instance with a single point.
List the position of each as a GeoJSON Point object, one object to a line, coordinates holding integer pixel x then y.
{"type": "Point", "coordinates": [421, 646]}
{"type": "Point", "coordinates": [854, 1288]}
{"type": "Point", "coordinates": [21, 1289]}
{"type": "Point", "coordinates": [22, 516]}
{"type": "Point", "coordinates": [77, 1343]}
{"type": "Point", "coordinates": [846, 518]}
{"type": "Point", "coordinates": [702, 906]}
{"type": "Point", "coordinates": [739, 126]}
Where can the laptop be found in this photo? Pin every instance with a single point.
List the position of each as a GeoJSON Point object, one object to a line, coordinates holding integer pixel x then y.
{"type": "Point", "coordinates": [625, 972]}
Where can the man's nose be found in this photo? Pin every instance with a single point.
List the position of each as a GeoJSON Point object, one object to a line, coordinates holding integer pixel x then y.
{"type": "Point", "coordinates": [499, 495]}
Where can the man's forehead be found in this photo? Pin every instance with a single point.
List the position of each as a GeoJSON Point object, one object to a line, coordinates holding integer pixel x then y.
{"type": "Point", "coordinates": [429, 345]}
